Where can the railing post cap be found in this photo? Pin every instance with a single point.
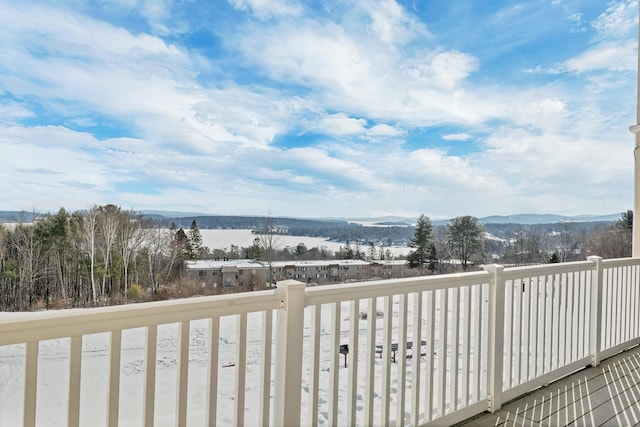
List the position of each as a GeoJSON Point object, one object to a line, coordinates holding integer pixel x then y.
{"type": "Point", "coordinates": [594, 258]}
{"type": "Point", "coordinates": [290, 284]}
{"type": "Point", "coordinates": [492, 268]}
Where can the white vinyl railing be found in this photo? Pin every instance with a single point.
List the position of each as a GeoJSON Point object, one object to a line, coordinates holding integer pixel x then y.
{"type": "Point", "coordinates": [413, 351]}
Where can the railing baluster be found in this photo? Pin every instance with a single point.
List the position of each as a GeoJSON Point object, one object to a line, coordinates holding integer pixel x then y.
{"type": "Point", "coordinates": [416, 386]}
{"type": "Point", "coordinates": [265, 369]}
{"type": "Point", "coordinates": [334, 368]}
{"type": "Point", "coordinates": [372, 316]}
{"type": "Point", "coordinates": [630, 307]}
{"type": "Point", "coordinates": [442, 352]}
{"type": "Point", "coordinates": [562, 319]}
{"type": "Point", "coordinates": [150, 376]}
{"type": "Point", "coordinates": [605, 332]}
{"type": "Point", "coordinates": [386, 362]}
{"type": "Point", "coordinates": [352, 386]}
{"type": "Point", "coordinates": [526, 330]}
{"type": "Point", "coordinates": [212, 368]}
{"type": "Point", "coordinates": [548, 329]}
{"type": "Point", "coordinates": [183, 374]}
{"type": "Point", "coordinates": [508, 333]}
{"type": "Point", "coordinates": [517, 375]}
{"type": "Point", "coordinates": [572, 327]}
{"type": "Point", "coordinates": [455, 350]}
{"type": "Point", "coordinates": [113, 399]}
{"type": "Point", "coordinates": [623, 303]}
{"type": "Point", "coordinates": [554, 330]}
{"type": "Point", "coordinates": [75, 372]}
{"type": "Point", "coordinates": [581, 322]}
{"type": "Point", "coordinates": [626, 300]}
{"type": "Point", "coordinates": [477, 333]}
{"type": "Point", "coordinates": [30, 383]}
{"type": "Point", "coordinates": [618, 311]}
{"type": "Point", "coordinates": [535, 326]}
{"type": "Point", "coordinates": [241, 367]}
{"type": "Point", "coordinates": [583, 313]}
{"type": "Point", "coordinates": [635, 302]}
{"type": "Point", "coordinates": [401, 359]}
{"type": "Point", "coordinates": [615, 309]}
{"type": "Point", "coordinates": [597, 305]}
{"type": "Point", "coordinates": [429, 365]}
{"type": "Point", "coordinates": [314, 363]}
{"type": "Point", "coordinates": [466, 338]}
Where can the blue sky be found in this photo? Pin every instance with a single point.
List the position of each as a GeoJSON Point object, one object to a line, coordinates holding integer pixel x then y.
{"type": "Point", "coordinates": [319, 108]}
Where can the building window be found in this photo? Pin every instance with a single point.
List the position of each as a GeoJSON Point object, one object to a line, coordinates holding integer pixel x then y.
{"type": "Point", "coordinates": [202, 273]}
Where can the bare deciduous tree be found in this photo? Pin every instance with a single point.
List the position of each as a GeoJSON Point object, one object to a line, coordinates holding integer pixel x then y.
{"type": "Point", "coordinates": [269, 240]}
{"type": "Point", "coordinates": [89, 231]}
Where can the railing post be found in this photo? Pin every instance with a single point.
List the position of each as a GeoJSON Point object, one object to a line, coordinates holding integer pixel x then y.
{"type": "Point", "coordinates": [596, 309]}
{"type": "Point", "coordinates": [288, 369]}
{"type": "Point", "coordinates": [496, 336]}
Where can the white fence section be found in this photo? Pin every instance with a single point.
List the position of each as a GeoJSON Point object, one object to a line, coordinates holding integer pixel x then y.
{"type": "Point", "coordinates": [415, 351]}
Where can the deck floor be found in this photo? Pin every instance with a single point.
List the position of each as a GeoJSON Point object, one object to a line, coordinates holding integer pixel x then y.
{"type": "Point", "coordinates": [607, 395]}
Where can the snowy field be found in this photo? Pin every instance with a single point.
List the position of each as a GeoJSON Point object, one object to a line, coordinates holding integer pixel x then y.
{"type": "Point", "coordinates": [53, 373]}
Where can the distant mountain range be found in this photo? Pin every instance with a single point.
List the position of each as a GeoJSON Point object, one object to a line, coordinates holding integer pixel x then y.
{"type": "Point", "coordinates": [398, 221]}
{"type": "Point", "coordinates": [547, 218]}
{"type": "Point", "coordinates": [494, 219]}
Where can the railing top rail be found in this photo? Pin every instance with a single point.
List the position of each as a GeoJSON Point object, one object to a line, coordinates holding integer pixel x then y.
{"type": "Point", "coordinates": [381, 288]}
{"type": "Point", "coordinates": [67, 323]}
{"type": "Point", "coordinates": [620, 262]}
{"type": "Point", "coordinates": [546, 269]}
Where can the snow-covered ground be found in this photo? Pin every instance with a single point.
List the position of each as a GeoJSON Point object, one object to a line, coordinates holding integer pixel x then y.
{"type": "Point", "coordinates": [53, 373]}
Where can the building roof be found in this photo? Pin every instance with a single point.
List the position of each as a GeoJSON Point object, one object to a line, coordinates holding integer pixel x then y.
{"type": "Point", "coordinates": [212, 264]}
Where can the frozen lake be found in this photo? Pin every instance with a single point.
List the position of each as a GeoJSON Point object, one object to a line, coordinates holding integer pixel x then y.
{"type": "Point", "coordinates": [223, 239]}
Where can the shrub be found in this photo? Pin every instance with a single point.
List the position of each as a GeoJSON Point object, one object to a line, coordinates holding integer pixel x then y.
{"type": "Point", "coordinates": [134, 293]}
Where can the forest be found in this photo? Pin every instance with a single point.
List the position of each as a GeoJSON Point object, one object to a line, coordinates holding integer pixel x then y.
{"type": "Point", "coordinates": [106, 255]}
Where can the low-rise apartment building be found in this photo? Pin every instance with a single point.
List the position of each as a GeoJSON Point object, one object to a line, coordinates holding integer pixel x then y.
{"type": "Point", "coordinates": [228, 273]}
{"type": "Point", "coordinates": [252, 274]}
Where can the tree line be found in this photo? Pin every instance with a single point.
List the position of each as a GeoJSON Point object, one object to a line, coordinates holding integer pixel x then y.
{"type": "Point", "coordinates": [106, 255]}
{"type": "Point", "coordinates": [466, 242]}
{"type": "Point", "coordinates": [84, 258]}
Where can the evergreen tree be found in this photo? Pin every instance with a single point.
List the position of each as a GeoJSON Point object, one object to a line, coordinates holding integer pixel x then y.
{"type": "Point", "coordinates": [372, 251]}
{"type": "Point", "coordinates": [182, 241]}
{"type": "Point", "coordinates": [422, 242]}
{"type": "Point", "coordinates": [465, 239]}
{"type": "Point", "coordinates": [346, 252]}
{"type": "Point", "coordinates": [195, 240]}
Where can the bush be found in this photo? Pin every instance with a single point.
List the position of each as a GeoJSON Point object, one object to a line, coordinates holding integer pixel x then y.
{"type": "Point", "coordinates": [134, 293]}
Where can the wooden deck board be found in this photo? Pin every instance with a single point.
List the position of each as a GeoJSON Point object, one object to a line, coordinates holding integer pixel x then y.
{"type": "Point", "coordinates": [606, 395]}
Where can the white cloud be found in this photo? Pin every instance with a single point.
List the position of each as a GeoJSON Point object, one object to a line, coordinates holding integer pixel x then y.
{"type": "Point", "coordinates": [443, 69]}
{"type": "Point", "coordinates": [385, 131]}
{"type": "Point", "coordinates": [457, 137]}
{"type": "Point", "coordinates": [392, 24]}
{"type": "Point", "coordinates": [340, 124]}
{"type": "Point", "coordinates": [620, 19]}
{"type": "Point", "coordinates": [606, 56]}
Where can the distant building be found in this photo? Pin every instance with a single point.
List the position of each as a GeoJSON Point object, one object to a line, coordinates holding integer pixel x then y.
{"type": "Point", "coordinates": [234, 273]}
{"type": "Point", "coordinates": [252, 274]}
